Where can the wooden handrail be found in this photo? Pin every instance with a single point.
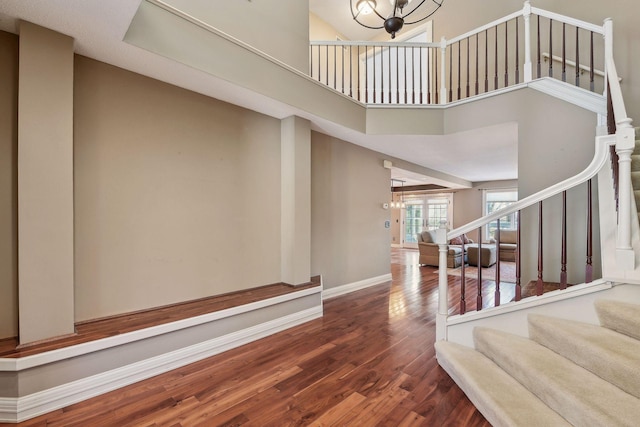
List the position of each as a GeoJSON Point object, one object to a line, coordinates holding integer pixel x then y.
{"type": "Point", "coordinates": [568, 20]}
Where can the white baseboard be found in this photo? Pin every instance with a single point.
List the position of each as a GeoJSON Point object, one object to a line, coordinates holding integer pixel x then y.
{"type": "Point", "coordinates": [8, 410]}
{"type": "Point", "coordinates": [14, 410]}
{"type": "Point", "coordinates": [355, 286]}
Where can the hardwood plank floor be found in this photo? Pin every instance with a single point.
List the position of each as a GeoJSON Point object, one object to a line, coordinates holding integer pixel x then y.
{"type": "Point", "coordinates": [369, 361]}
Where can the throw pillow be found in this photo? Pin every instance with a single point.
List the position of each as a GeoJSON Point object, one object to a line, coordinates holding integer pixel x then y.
{"type": "Point", "coordinates": [456, 241]}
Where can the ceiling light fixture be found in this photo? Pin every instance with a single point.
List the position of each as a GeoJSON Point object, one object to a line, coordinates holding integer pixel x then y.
{"type": "Point", "coordinates": [396, 18]}
{"type": "Point", "coordinates": [399, 204]}
{"type": "Point", "coordinates": [366, 7]}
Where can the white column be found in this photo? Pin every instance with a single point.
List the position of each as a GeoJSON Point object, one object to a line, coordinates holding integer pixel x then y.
{"type": "Point", "coordinates": [45, 184]}
{"type": "Point", "coordinates": [443, 291]}
{"type": "Point", "coordinates": [625, 142]}
{"type": "Point", "coordinates": [528, 70]}
{"type": "Point", "coordinates": [295, 189]}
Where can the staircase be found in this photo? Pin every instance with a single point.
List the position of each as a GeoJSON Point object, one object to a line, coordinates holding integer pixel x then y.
{"type": "Point", "coordinates": [565, 373]}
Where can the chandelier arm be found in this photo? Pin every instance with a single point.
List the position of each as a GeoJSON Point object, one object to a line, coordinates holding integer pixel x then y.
{"type": "Point", "coordinates": [421, 19]}
{"type": "Point", "coordinates": [415, 8]}
{"type": "Point", "coordinates": [368, 26]}
{"type": "Point", "coordinates": [356, 15]}
{"type": "Point", "coordinates": [380, 16]}
{"type": "Point", "coordinates": [421, 3]}
{"type": "Point", "coordinates": [395, 14]}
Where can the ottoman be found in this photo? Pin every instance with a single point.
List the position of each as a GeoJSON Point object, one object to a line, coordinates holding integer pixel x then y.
{"type": "Point", "coordinates": [487, 255]}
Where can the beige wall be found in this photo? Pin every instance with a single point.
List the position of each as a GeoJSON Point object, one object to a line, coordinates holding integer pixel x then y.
{"type": "Point", "coordinates": [348, 187]}
{"type": "Point", "coordinates": [279, 28]}
{"type": "Point", "coordinates": [321, 30]}
{"type": "Point", "coordinates": [555, 138]}
{"type": "Point", "coordinates": [8, 185]}
{"type": "Point", "coordinates": [177, 194]}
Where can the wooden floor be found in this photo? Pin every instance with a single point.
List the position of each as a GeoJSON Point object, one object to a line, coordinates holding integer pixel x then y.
{"type": "Point", "coordinates": [369, 361]}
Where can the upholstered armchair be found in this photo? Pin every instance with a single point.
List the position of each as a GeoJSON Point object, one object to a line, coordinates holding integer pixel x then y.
{"type": "Point", "coordinates": [508, 240]}
{"type": "Point", "coordinates": [429, 250]}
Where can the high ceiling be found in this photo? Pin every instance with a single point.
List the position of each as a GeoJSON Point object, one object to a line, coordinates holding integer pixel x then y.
{"type": "Point", "coordinates": [338, 14]}
{"type": "Point", "coordinates": [99, 26]}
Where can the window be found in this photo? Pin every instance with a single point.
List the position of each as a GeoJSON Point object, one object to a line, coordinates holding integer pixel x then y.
{"type": "Point", "coordinates": [413, 220]}
{"type": "Point", "coordinates": [424, 212]}
{"type": "Point", "coordinates": [437, 213]}
{"type": "Point", "coordinates": [495, 200]}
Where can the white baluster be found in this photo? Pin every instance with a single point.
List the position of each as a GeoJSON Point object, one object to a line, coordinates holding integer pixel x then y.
{"type": "Point", "coordinates": [608, 49]}
{"type": "Point", "coordinates": [528, 70]}
{"type": "Point", "coordinates": [443, 292]}
{"type": "Point", "coordinates": [443, 86]}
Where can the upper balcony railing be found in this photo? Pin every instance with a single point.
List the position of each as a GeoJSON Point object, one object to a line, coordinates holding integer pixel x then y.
{"type": "Point", "coordinates": [528, 44]}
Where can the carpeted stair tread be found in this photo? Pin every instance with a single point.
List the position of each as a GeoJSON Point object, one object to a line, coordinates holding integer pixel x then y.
{"type": "Point", "coordinates": [635, 180]}
{"type": "Point", "coordinates": [610, 355]}
{"type": "Point", "coordinates": [635, 162]}
{"type": "Point", "coordinates": [619, 316]}
{"type": "Point", "coordinates": [498, 396]}
{"type": "Point", "coordinates": [579, 396]}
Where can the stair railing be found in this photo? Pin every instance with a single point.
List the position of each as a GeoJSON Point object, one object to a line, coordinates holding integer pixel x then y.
{"type": "Point", "coordinates": [617, 147]}
{"type": "Point", "coordinates": [600, 159]}
{"type": "Point", "coordinates": [495, 56]}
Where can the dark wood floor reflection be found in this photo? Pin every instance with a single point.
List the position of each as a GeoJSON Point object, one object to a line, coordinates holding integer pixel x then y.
{"type": "Point", "coordinates": [370, 361]}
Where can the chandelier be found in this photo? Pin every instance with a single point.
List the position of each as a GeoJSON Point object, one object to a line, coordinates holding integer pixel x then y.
{"type": "Point", "coordinates": [400, 204]}
{"type": "Point", "coordinates": [399, 14]}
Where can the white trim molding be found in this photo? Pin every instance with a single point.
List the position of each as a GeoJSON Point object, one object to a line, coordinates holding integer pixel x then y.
{"type": "Point", "coordinates": [570, 93]}
{"type": "Point", "coordinates": [355, 286]}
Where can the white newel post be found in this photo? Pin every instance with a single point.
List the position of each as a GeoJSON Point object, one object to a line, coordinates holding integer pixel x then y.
{"type": "Point", "coordinates": [526, 13]}
{"type": "Point", "coordinates": [443, 68]}
{"type": "Point", "coordinates": [443, 293]}
{"type": "Point", "coordinates": [625, 142]}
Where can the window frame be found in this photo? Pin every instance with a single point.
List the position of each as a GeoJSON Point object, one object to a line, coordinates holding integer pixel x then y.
{"type": "Point", "coordinates": [512, 222]}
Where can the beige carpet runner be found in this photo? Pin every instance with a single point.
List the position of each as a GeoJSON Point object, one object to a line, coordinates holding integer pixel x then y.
{"type": "Point", "coordinates": [566, 373]}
